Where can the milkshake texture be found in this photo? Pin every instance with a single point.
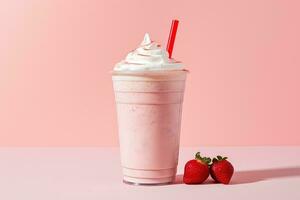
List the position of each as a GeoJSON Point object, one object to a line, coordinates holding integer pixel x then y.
{"type": "Point", "coordinates": [149, 89]}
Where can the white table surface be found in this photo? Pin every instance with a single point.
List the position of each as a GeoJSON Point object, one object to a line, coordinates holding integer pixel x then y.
{"type": "Point", "coordinates": [95, 173]}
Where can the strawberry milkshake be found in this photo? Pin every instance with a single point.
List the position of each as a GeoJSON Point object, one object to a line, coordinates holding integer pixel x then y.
{"type": "Point", "coordinates": [149, 88]}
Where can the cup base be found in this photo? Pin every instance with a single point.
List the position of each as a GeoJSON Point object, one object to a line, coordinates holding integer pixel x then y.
{"type": "Point", "coordinates": [148, 176]}
{"type": "Point", "coordinates": [148, 181]}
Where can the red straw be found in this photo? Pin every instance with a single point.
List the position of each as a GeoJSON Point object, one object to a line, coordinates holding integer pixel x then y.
{"type": "Point", "coordinates": [172, 36]}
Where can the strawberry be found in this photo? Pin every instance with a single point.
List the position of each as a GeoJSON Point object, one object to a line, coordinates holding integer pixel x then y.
{"type": "Point", "coordinates": [221, 170]}
{"type": "Point", "coordinates": [197, 170]}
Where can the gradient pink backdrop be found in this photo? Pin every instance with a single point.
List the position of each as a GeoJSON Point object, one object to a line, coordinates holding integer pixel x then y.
{"type": "Point", "coordinates": [243, 89]}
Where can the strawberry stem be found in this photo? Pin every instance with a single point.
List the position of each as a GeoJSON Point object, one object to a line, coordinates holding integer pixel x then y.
{"type": "Point", "coordinates": [218, 158]}
{"type": "Point", "coordinates": [206, 160]}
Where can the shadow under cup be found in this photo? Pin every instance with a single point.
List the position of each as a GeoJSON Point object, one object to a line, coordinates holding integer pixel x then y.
{"type": "Point", "coordinates": [149, 107]}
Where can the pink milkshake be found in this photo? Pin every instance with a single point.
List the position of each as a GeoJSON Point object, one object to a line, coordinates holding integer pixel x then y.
{"type": "Point", "coordinates": [149, 89]}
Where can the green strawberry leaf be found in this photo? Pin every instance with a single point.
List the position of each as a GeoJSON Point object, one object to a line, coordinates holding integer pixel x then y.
{"type": "Point", "coordinates": [206, 160]}
{"type": "Point", "coordinates": [197, 156]}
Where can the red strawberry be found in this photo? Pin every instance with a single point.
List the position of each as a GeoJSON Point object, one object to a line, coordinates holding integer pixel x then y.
{"type": "Point", "coordinates": [221, 170]}
{"type": "Point", "coordinates": [196, 171]}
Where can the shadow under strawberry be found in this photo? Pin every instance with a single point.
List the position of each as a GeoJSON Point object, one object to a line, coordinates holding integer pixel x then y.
{"type": "Point", "coordinates": [179, 180]}
{"type": "Point", "coordinates": [252, 176]}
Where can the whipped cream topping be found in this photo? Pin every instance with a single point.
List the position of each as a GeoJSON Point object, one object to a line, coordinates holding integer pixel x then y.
{"type": "Point", "coordinates": [147, 57]}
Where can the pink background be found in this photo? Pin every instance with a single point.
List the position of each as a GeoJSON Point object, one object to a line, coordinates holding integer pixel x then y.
{"type": "Point", "coordinates": [55, 89]}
